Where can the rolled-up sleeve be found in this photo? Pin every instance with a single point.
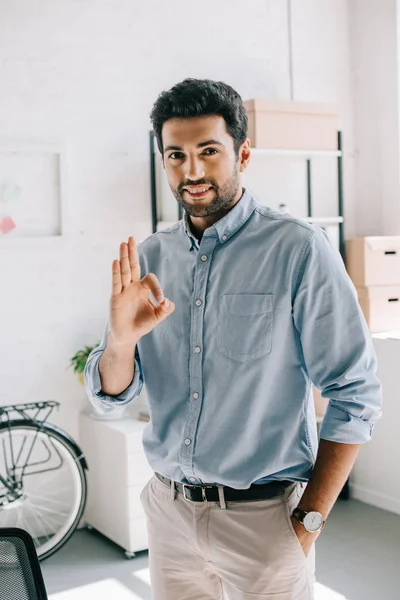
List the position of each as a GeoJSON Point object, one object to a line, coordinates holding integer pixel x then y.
{"type": "Point", "coordinates": [101, 401]}
{"type": "Point", "coordinates": [336, 343]}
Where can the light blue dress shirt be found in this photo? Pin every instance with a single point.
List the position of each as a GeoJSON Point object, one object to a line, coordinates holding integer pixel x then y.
{"type": "Point", "coordinates": [264, 307]}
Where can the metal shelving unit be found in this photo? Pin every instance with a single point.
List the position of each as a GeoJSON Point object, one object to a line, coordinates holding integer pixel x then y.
{"type": "Point", "coordinates": [307, 154]}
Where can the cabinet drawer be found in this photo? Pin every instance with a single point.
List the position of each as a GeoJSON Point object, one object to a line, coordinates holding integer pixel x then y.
{"type": "Point", "coordinates": [138, 469]}
{"type": "Point", "coordinates": [134, 441]}
{"type": "Point", "coordinates": [134, 505]}
{"type": "Point", "coordinates": [129, 534]}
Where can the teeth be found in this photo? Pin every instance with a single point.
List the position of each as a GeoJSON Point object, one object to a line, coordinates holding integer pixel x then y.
{"type": "Point", "coordinates": [199, 191]}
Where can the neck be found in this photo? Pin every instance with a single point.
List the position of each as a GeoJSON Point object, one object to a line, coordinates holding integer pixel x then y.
{"type": "Point", "coordinates": [198, 233]}
{"type": "Point", "coordinates": [198, 225]}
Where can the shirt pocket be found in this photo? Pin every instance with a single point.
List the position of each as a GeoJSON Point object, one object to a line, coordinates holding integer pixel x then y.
{"type": "Point", "coordinates": [244, 330]}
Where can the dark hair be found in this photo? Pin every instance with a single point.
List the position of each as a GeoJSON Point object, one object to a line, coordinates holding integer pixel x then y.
{"type": "Point", "coordinates": [198, 97]}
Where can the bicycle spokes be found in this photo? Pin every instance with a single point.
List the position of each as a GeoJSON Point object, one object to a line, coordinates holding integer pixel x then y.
{"type": "Point", "coordinates": [42, 480]}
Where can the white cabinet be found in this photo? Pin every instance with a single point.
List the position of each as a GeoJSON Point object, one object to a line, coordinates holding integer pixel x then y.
{"type": "Point", "coordinates": [376, 475]}
{"type": "Point", "coordinates": [118, 471]}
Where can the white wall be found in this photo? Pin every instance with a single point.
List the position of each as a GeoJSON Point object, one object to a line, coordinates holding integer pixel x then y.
{"type": "Point", "coordinates": [85, 73]}
{"type": "Point", "coordinates": [375, 72]}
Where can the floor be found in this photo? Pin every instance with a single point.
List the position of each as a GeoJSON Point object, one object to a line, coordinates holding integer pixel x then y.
{"type": "Point", "coordinates": [358, 558]}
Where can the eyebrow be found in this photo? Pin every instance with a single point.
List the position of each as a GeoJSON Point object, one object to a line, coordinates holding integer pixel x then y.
{"type": "Point", "coordinates": [200, 145]}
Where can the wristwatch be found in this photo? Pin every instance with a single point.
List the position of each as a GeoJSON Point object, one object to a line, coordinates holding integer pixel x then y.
{"type": "Point", "coordinates": [312, 521]}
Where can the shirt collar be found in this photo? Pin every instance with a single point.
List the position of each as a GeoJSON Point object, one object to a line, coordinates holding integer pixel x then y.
{"type": "Point", "coordinates": [226, 227]}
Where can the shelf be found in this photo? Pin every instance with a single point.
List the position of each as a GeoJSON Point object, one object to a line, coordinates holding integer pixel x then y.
{"type": "Point", "coordinates": [300, 153]}
{"type": "Point", "coordinates": [317, 220]}
{"type": "Point", "coordinates": [326, 220]}
{"type": "Point", "coordinates": [281, 152]}
{"type": "Point", "coordinates": [306, 154]}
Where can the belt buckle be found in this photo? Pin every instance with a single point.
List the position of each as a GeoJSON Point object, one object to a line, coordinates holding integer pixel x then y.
{"type": "Point", "coordinates": [184, 486]}
{"type": "Point", "coordinates": [203, 492]}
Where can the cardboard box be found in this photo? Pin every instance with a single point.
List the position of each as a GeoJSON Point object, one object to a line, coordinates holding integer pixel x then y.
{"type": "Point", "coordinates": [292, 125]}
{"type": "Point", "coordinates": [381, 307]}
{"type": "Point", "coordinates": [373, 260]}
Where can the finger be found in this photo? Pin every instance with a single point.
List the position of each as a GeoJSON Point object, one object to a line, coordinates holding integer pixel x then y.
{"type": "Point", "coordinates": [167, 307]}
{"type": "Point", "coordinates": [125, 266]}
{"type": "Point", "coordinates": [134, 259]}
{"type": "Point", "coordinates": [116, 278]}
{"type": "Point", "coordinates": [151, 282]}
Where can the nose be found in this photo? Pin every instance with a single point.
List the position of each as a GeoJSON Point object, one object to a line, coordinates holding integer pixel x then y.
{"type": "Point", "coordinates": [194, 169]}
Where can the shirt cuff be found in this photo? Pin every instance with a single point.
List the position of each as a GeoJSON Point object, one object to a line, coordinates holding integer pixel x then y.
{"type": "Point", "coordinates": [101, 401]}
{"type": "Point", "coordinates": [342, 427]}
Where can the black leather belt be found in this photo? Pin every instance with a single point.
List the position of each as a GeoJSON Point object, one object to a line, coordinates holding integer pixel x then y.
{"type": "Point", "coordinates": [209, 493]}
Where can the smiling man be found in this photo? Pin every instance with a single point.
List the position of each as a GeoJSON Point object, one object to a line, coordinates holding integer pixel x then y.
{"type": "Point", "coordinates": [212, 185]}
{"type": "Point", "coordinates": [249, 306]}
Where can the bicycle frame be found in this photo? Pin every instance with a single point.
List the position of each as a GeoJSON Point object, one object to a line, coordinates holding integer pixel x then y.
{"type": "Point", "coordinates": [15, 472]}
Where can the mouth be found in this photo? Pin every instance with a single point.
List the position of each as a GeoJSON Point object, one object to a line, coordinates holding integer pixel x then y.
{"type": "Point", "coordinates": [197, 192]}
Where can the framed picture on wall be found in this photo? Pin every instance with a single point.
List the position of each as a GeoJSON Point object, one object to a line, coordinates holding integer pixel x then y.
{"type": "Point", "coordinates": [32, 186]}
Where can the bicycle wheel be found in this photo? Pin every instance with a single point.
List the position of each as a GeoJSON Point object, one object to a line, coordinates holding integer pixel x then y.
{"type": "Point", "coordinates": [48, 482]}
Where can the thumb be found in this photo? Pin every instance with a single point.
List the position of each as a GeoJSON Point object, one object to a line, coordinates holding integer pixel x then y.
{"type": "Point", "coordinates": [166, 307]}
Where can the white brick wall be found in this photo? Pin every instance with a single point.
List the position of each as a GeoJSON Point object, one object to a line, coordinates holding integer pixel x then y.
{"type": "Point", "coordinates": [375, 73]}
{"type": "Point", "coordinates": [85, 73]}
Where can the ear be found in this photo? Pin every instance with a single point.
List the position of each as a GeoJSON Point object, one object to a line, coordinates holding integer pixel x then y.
{"type": "Point", "coordinates": [244, 155]}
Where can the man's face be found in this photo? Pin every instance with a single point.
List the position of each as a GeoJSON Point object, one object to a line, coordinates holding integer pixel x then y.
{"type": "Point", "coordinates": [202, 168]}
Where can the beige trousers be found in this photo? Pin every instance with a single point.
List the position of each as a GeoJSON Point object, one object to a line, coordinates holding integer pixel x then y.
{"type": "Point", "coordinates": [250, 551]}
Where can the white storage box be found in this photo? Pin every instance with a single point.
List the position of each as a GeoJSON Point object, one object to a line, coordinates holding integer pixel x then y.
{"type": "Point", "coordinates": [381, 307]}
{"type": "Point", "coordinates": [373, 260]}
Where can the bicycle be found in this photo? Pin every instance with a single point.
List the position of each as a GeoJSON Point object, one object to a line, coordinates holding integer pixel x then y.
{"type": "Point", "coordinates": [43, 485]}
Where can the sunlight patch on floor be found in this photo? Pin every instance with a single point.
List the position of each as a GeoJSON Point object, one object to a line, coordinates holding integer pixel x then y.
{"type": "Point", "coordinates": [100, 590]}
{"type": "Point", "coordinates": [111, 588]}
{"type": "Point", "coordinates": [322, 592]}
{"type": "Point", "coordinates": [143, 575]}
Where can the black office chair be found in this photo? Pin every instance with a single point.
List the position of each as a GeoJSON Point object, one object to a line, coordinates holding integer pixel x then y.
{"type": "Point", "coordinates": [20, 574]}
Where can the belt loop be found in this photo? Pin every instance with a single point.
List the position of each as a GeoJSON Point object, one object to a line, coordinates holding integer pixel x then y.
{"type": "Point", "coordinates": [301, 489]}
{"type": "Point", "coordinates": [289, 490]}
{"type": "Point", "coordinates": [221, 495]}
{"type": "Point", "coordinates": [173, 490]}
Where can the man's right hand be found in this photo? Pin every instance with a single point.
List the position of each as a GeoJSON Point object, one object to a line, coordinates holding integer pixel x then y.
{"type": "Point", "coordinates": [132, 312]}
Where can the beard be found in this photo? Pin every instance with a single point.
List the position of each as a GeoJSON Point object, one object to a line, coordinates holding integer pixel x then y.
{"type": "Point", "coordinates": [223, 198]}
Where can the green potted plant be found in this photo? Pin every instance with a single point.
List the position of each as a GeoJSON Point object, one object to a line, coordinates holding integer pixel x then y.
{"type": "Point", "coordinates": [78, 361]}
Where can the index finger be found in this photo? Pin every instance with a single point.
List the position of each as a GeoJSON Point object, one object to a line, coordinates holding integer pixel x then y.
{"type": "Point", "coordinates": [116, 278]}
{"type": "Point", "coordinates": [134, 259]}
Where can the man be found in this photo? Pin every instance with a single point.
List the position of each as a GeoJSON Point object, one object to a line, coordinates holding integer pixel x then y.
{"type": "Point", "coordinates": [249, 307]}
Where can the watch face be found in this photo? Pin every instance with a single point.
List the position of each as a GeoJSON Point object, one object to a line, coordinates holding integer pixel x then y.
{"type": "Point", "coordinates": [313, 521]}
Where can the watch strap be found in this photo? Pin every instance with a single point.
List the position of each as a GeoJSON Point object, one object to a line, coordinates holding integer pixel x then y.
{"type": "Point", "coordinates": [299, 514]}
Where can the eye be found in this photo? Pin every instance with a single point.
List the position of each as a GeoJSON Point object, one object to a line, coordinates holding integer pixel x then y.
{"type": "Point", "coordinates": [176, 155]}
{"type": "Point", "coordinates": [210, 151]}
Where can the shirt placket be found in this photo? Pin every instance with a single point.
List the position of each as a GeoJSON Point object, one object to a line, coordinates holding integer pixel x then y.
{"type": "Point", "coordinates": [201, 276]}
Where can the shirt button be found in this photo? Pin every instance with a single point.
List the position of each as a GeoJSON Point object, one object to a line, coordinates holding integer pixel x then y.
{"type": "Point", "coordinates": [198, 303]}
{"type": "Point", "coordinates": [188, 442]}
{"type": "Point", "coordinates": [197, 350]}
{"type": "Point", "coordinates": [224, 237]}
{"type": "Point", "coordinates": [192, 479]}
{"type": "Point", "coordinates": [204, 258]}
{"type": "Point", "coordinates": [195, 395]}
